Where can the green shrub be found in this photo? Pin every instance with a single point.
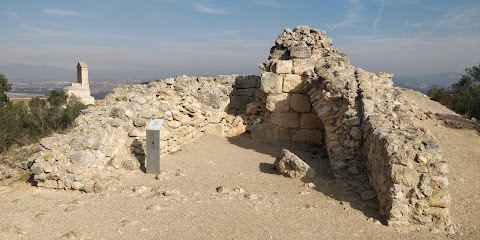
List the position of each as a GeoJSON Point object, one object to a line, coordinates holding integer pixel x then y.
{"type": "Point", "coordinates": [22, 124]}
{"type": "Point", "coordinates": [4, 88]}
{"type": "Point", "coordinates": [464, 96]}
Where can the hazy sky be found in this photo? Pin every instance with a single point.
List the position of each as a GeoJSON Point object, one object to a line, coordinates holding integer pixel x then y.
{"type": "Point", "coordinates": [211, 37]}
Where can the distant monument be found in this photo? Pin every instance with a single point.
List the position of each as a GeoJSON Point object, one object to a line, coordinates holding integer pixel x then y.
{"type": "Point", "coordinates": [81, 88]}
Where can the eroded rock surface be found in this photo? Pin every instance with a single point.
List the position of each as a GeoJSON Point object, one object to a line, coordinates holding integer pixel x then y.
{"type": "Point", "coordinates": [292, 166]}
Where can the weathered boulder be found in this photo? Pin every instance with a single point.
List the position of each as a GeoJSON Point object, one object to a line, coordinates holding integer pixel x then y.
{"type": "Point", "coordinates": [292, 166]}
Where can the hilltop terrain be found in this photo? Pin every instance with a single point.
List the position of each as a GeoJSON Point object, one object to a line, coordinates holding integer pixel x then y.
{"type": "Point", "coordinates": [221, 188]}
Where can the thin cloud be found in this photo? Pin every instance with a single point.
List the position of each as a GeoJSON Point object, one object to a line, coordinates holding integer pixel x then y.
{"type": "Point", "coordinates": [373, 53]}
{"type": "Point", "coordinates": [269, 3]}
{"type": "Point", "coordinates": [201, 7]}
{"type": "Point", "coordinates": [454, 20]}
{"type": "Point", "coordinates": [62, 12]}
{"type": "Point", "coordinates": [353, 15]}
{"type": "Point", "coordinates": [378, 18]}
{"type": "Point", "coordinates": [329, 26]}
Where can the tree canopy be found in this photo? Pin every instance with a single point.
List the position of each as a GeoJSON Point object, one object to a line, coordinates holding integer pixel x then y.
{"type": "Point", "coordinates": [22, 124]}
{"type": "Point", "coordinates": [4, 88]}
{"type": "Point", "coordinates": [464, 96]}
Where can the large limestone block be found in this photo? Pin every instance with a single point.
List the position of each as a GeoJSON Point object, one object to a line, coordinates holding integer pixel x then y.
{"type": "Point", "coordinates": [283, 66]}
{"type": "Point", "coordinates": [292, 83]}
{"type": "Point", "coordinates": [300, 103]}
{"type": "Point", "coordinates": [300, 51]}
{"type": "Point", "coordinates": [284, 134]}
{"type": "Point", "coordinates": [307, 135]}
{"type": "Point", "coordinates": [265, 132]}
{"type": "Point", "coordinates": [278, 102]}
{"type": "Point", "coordinates": [301, 65]}
{"type": "Point", "coordinates": [271, 82]}
{"type": "Point", "coordinates": [310, 120]}
{"type": "Point", "coordinates": [292, 166]}
{"type": "Point", "coordinates": [250, 81]}
{"type": "Point", "coordinates": [287, 120]}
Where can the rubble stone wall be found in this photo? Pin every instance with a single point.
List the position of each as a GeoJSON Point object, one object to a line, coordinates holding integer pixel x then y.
{"type": "Point", "coordinates": [108, 140]}
{"type": "Point", "coordinates": [367, 125]}
{"type": "Point", "coordinates": [405, 164]}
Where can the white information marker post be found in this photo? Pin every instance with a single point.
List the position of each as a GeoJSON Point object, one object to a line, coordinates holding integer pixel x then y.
{"type": "Point", "coordinates": [153, 146]}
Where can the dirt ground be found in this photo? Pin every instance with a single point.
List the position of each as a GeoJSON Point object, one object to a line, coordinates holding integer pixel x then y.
{"type": "Point", "coordinates": [226, 188]}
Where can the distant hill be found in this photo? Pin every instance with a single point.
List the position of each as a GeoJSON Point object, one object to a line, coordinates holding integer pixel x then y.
{"type": "Point", "coordinates": [37, 73]}
{"type": "Point", "coordinates": [423, 83]}
{"type": "Point", "coordinates": [43, 73]}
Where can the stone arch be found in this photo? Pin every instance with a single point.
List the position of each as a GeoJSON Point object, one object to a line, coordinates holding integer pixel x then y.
{"type": "Point", "coordinates": [367, 124]}
{"type": "Point", "coordinates": [304, 72]}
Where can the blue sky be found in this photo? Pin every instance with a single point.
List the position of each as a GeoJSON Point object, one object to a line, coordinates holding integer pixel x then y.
{"type": "Point", "coordinates": [211, 37]}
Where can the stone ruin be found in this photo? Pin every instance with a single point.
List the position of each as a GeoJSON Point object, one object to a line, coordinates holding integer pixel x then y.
{"type": "Point", "coordinates": [81, 88]}
{"type": "Point", "coordinates": [368, 127]}
{"type": "Point", "coordinates": [308, 92]}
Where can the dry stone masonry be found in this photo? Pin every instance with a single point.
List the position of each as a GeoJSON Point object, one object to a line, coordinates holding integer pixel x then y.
{"type": "Point", "coordinates": [109, 140]}
{"type": "Point", "coordinates": [366, 125]}
{"type": "Point", "coordinates": [308, 92]}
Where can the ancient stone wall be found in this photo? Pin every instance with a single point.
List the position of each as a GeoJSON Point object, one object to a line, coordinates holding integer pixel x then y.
{"type": "Point", "coordinates": [110, 139]}
{"type": "Point", "coordinates": [367, 125]}
{"type": "Point", "coordinates": [405, 163]}
{"type": "Point", "coordinates": [245, 88]}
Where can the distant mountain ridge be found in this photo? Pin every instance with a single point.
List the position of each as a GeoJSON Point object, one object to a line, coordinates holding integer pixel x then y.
{"type": "Point", "coordinates": [423, 83]}
{"type": "Point", "coordinates": [16, 72]}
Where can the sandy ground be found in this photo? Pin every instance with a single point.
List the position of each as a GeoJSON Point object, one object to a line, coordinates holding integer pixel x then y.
{"type": "Point", "coordinates": [254, 203]}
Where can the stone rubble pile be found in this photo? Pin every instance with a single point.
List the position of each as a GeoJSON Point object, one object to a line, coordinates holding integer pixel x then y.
{"type": "Point", "coordinates": [365, 125]}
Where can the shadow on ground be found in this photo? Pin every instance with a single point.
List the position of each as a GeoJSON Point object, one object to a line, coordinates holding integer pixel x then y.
{"type": "Point", "coordinates": [138, 151]}
{"type": "Point", "coordinates": [457, 122]}
{"type": "Point", "coordinates": [316, 156]}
